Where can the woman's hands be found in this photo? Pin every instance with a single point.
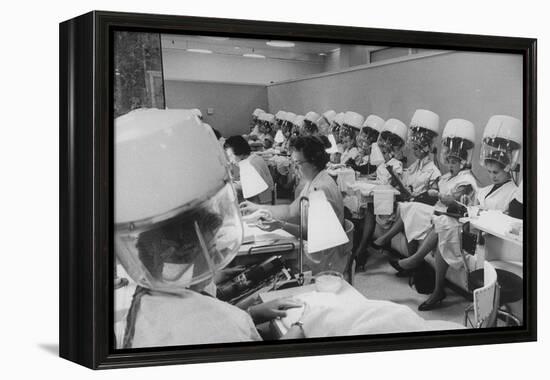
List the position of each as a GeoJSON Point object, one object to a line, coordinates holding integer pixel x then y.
{"type": "Point", "coordinates": [270, 224]}
{"type": "Point", "coordinates": [247, 207]}
{"type": "Point", "coordinates": [253, 218]}
{"type": "Point", "coordinates": [273, 309]}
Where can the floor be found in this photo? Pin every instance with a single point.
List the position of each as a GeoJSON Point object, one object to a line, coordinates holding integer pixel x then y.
{"type": "Point", "coordinates": [379, 282]}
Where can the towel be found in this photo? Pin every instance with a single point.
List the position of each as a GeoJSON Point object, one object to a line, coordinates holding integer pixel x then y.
{"type": "Point", "coordinates": [383, 202]}
{"type": "Point", "coordinates": [326, 314]}
{"type": "Point", "coordinates": [345, 178]}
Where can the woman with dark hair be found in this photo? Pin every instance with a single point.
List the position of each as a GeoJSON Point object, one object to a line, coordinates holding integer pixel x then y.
{"type": "Point", "coordinates": [238, 149]}
{"type": "Point", "coordinates": [310, 158]}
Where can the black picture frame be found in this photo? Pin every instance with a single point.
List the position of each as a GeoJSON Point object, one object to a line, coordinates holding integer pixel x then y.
{"type": "Point", "coordinates": [86, 188]}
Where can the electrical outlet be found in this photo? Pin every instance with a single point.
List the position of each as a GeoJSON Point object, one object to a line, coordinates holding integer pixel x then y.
{"type": "Point", "coordinates": [210, 111]}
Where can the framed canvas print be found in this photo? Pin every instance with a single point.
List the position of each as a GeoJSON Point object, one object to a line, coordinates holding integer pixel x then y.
{"type": "Point", "coordinates": [235, 189]}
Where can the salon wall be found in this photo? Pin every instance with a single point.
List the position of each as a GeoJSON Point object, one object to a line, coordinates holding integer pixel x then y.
{"type": "Point", "coordinates": [466, 85]}
{"type": "Point", "coordinates": [232, 103]}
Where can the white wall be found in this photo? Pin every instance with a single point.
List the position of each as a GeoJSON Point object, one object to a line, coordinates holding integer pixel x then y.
{"type": "Point", "coordinates": [466, 85]}
{"type": "Point", "coordinates": [184, 66]}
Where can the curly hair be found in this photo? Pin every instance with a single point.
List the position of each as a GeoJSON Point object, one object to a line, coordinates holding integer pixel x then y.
{"type": "Point", "coordinates": [314, 149]}
{"type": "Point", "coordinates": [239, 145]}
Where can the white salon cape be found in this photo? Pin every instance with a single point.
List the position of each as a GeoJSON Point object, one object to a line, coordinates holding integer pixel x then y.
{"type": "Point", "coordinates": [333, 258]}
{"type": "Point", "coordinates": [417, 217]}
{"type": "Point", "coordinates": [192, 318]}
{"type": "Point", "coordinates": [420, 175]}
{"type": "Point", "coordinates": [498, 199]}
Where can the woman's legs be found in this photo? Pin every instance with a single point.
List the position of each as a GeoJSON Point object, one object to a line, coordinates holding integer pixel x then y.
{"type": "Point", "coordinates": [438, 294]}
{"type": "Point", "coordinates": [369, 223]}
{"type": "Point", "coordinates": [427, 245]}
{"type": "Point", "coordinates": [441, 267]}
{"type": "Point", "coordinates": [396, 228]}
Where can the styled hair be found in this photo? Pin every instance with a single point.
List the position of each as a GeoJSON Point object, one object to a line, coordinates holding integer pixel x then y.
{"type": "Point", "coordinates": [314, 149]}
{"type": "Point", "coordinates": [238, 144]}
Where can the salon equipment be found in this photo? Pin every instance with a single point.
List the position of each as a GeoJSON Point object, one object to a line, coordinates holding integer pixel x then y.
{"type": "Point", "coordinates": [251, 279]}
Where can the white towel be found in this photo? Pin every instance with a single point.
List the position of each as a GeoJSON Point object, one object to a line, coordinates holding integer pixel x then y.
{"type": "Point", "coordinates": [383, 202]}
{"type": "Point", "coordinates": [326, 314]}
{"type": "Point", "coordinates": [345, 179]}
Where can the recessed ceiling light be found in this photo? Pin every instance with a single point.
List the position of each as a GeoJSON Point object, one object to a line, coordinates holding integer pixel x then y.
{"type": "Point", "coordinates": [203, 51]}
{"type": "Point", "coordinates": [281, 43]}
{"type": "Point", "coordinates": [253, 55]}
{"type": "Point", "coordinates": [322, 54]}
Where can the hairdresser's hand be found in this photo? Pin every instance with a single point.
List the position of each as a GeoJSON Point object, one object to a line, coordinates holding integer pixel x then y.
{"type": "Point", "coordinates": [270, 224]}
{"type": "Point", "coordinates": [248, 207]}
{"type": "Point", "coordinates": [254, 217]}
{"type": "Point", "coordinates": [273, 309]}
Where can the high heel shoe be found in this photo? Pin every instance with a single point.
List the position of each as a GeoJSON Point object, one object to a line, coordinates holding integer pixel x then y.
{"type": "Point", "coordinates": [431, 305]}
{"type": "Point", "coordinates": [401, 272]}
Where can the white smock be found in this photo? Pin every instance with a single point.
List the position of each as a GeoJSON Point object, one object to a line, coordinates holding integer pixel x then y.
{"type": "Point", "coordinates": [420, 175]}
{"type": "Point", "coordinates": [498, 199]}
{"type": "Point", "coordinates": [448, 229]}
{"type": "Point", "coordinates": [172, 320]}
{"type": "Point", "coordinates": [347, 154]}
{"type": "Point", "coordinates": [417, 217]}
{"type": "Point", "coordinates": [333, 258]}
{"type": "Point", "coordinates": [383, 176]}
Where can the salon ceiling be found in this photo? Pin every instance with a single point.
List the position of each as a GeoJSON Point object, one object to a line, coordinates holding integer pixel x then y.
{"type": "Point", "coordinates": [302, 51]}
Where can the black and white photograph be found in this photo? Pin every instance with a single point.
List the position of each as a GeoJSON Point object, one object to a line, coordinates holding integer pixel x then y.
{"type": "Point", "coordinates": [269, 189]}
